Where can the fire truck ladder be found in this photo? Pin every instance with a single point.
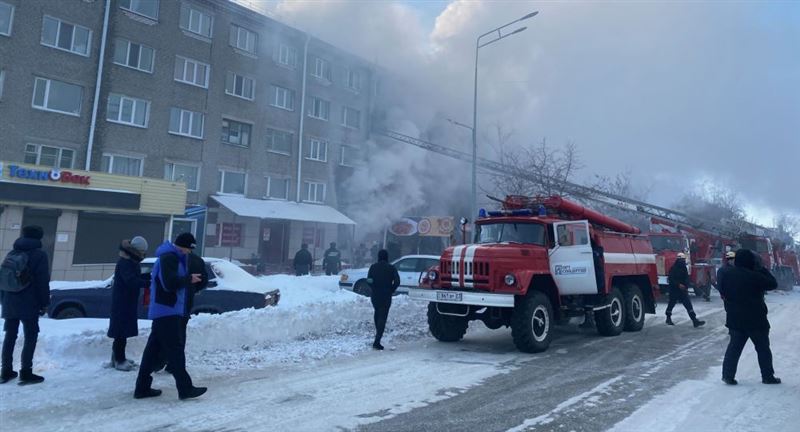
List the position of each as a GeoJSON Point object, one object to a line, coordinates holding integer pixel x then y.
{"type": "Point", "coordinates": [579, 191]}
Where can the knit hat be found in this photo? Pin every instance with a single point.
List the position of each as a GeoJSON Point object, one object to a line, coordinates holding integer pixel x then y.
{"type": "Point", "coordinates": [33, 232]}
{"type": "Point", "coordinates": [383, 255]}
{"type": "Point", "coordinates": [186, 240]}
{"type": "Point", "coordinates": [745, 258]}
{"type": "Point", "coordinates": [140, 244]}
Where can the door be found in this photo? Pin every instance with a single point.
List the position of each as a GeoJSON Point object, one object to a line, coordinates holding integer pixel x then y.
{"type": "Point", "coordinates": [571, 260]}
{"type": "Point", "coordinates": [407, 268]}
{"type": "Point", "coordinates": [273, 242]}
{"type": "Point", "coordinates": [48, 220]}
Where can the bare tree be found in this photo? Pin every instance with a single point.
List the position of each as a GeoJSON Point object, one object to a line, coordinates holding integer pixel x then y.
{"type": "Point", "coordinates": [712, 202]}
{"type": "Point", "coordinates": [788, 226]}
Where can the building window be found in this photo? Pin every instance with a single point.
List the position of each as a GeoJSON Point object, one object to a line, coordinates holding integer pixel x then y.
{"type": "Point", "coordinates": [191, 72]}
{"type": "Point", "coordinates": [241, 86]}
{"type": "Point", "coordinates": [148, 8]}
{"type": "Point", "coordinates": [236, 133]}
{"type": "Point", "coordinates": [278, 188]}
{"type": "Point", "coordinates": [351, 117]}
{"type": "Point", "coordinates": [279, 141]}
{"type": "Point", "coordinates": [349, 156]}
{"type": "Point", "coordinates": [136, 56]}
{"type": "Point", "coordinates": [287, 56]}
{"type": "Point", "coordinates": [319, 108]}
{"type": "Point", "coordinates": [283, 98]}
{"type": "Point", "coordinates": [317, 150]}
{"type": "Point", "coordinates": [64, 36]}
{"type": "Point", "coordinates": [56, 157]}
{"type": "Point", "coordinates": [127, 110]}
{"type": "Point", "coordinates": [195, 21]}
{"type": "Point", "coordinates": [243, 39]}
{"type": "Point", "coordinates": [122, 165]}
{"type": "Point", "coordinates": [6, 18]}
{"type": "Point", "coordinates": [315, 192]}
{"type": "Point", "coordinates": [189, 174]}
{"type": "Point", "coordinates": [57, 96]}
{"type": "Point", "coordinates": [322, 69]}
{"type": "Point", "coordinates": [186, 123]}
{"type": "Point", "coordinates": [231, 182]}
{"type": "Point", "coordinates": [353, 80]}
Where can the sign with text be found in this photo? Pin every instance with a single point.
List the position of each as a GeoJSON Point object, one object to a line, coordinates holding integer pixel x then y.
{"type": "Point", "coordinates": [230, 235]}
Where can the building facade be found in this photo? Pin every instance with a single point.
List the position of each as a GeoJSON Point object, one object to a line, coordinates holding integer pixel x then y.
{"type": "Point", "coordinates": [205, 92]}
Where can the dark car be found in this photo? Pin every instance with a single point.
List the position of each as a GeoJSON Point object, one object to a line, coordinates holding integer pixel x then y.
{"type": "Point", "coordinates": [229, 289]}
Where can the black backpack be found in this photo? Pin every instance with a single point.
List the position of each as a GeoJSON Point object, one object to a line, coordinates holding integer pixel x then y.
{"type": "Point", "coordinates": [14, 275]}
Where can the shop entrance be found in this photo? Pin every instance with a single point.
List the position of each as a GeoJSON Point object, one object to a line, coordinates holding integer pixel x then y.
{"type": "Point", "coordinates": [274, 242]}
{"type": "Point", "coordinates": [48, 220]}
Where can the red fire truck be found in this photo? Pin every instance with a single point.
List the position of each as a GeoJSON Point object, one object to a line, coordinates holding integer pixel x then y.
{"type": "Point", "coordinates": [538, 262]}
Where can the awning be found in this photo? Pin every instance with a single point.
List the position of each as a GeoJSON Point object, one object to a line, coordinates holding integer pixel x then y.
{"type": "Point", "coordinates": [287, 210]}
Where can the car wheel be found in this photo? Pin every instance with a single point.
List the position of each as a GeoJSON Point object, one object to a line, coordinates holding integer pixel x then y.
{"type": "Point", "coordinates": [69, 313]}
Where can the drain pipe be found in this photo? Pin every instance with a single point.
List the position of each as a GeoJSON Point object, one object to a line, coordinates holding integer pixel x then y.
{"type": "Point", "coordinates": [98, 82]}
{"type": "Point", "coordinates": [302, 120]}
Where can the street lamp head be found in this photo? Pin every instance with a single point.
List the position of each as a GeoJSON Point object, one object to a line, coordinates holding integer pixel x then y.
{"type": "Point", "coordinates": [519, 30]}
{"type": "Point", "coordinates": [530, 15]}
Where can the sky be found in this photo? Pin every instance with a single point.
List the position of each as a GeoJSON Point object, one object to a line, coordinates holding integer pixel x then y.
{"type": "Point", "coordinates": [673, 92]}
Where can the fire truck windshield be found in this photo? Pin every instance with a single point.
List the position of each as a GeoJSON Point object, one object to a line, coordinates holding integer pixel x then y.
{"type": "Point", "coordinates": [755, 245]}
{"type": "Point", "coordinates": [664, 243]}
{"type": "Point", "coordinates": [532, 233]}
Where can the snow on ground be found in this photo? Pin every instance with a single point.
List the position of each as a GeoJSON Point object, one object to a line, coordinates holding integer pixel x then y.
{"type": "Point", "coordinates": [709, 405]}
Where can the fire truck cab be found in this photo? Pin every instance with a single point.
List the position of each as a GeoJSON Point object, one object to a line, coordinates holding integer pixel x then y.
{"type": "Point", "coordinates": [538, 262]}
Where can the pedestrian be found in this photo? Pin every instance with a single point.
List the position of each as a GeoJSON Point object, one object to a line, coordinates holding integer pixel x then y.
{"type": "Point", "coordinates": [384, 280]}
{"type": "Point", "coordinates": [128, 283]}
{"type": "Point", "coordinates": [169, 282]}
{"type": "Point", "coordinates": [678, 280]}
{"type": "Point", "coordinates": [332, 260]}
{"type": "Point", "coordinates": [25, 295]}
{"type": "Point", "coordinates": [373, 251]}
{"type": "Point", "coordinates": [303, 261]}
{"type": "Point", "coordinates": [744, 287]}
{"type": "Point", "coordinates": [730, 256]}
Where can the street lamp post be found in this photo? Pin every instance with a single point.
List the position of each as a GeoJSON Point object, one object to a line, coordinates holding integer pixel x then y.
{"type": "Point", "coordinates": [478, 46]}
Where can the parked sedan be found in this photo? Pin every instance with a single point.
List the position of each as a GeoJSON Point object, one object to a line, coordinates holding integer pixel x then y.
{"type": "Point", "coordinates": [410, 267]}
{"type": "Point", "coordinates": [230, 288]}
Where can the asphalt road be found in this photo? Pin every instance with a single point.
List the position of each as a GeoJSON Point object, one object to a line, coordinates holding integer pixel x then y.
{"type": "Point", "coordinates": [582, 383]}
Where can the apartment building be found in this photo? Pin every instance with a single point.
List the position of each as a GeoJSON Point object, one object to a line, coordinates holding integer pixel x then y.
{"type": "Point", "coordinates": [261, 121]}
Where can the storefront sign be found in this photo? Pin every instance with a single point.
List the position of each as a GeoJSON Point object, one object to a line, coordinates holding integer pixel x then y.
{"type": "Point", "coordinates": [435, 226]}
{"type": "Point", "coordinates": [231, 235]}
{"type": "Point", "coordinates": [54, 175]}
{"type": "Point", "coordinates": [404, 227]}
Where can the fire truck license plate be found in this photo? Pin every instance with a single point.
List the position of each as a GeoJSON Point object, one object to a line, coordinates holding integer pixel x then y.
{"type": "Point", "coordinates": [448, 296]}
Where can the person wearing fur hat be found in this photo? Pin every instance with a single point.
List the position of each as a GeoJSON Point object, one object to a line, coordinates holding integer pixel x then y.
{"type": "Point", "coordinates": [128, 283]}
{"type": "Point", "coordinates": [744, 287]}
{"type": "Point", "coordinates": [26, 306]}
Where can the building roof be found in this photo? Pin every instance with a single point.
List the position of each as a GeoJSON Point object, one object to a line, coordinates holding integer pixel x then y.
{"type": "Point", "coordinates": [286, 210]}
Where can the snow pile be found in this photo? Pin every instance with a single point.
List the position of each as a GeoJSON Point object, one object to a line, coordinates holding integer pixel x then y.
{"type": "Point", "coordinates": [63, 285]}
{"type": "Point", "coordinates": [305, 290]}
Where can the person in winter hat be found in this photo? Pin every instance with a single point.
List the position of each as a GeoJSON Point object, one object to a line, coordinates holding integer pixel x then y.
{"type": "Point", "coordinates": [743, 288]}
{"type": "Point", "coordinates": [722, 271]}
{"type": "Point", "coordinates": [169, 281]}
{"type": "Point", "coordinates": [332, 260]}
{"type": "Point", "coordinates": [678, 279]}
{"type": "Point", "coordinates": [25, 307]}
{"type": "Point", "coordinates": [303, 261]}
{"type": "Point", "coordinates": [128, 283]}
{"type": "Point", "coordinates": [383, 280]}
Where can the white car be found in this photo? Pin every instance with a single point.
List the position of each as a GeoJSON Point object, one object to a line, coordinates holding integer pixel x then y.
{"type": "Point", "coordinates": [410, 267]}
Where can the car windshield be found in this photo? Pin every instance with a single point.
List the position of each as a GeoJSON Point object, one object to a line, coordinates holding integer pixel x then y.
{"type": "Point", "coordinates": [518, 232]}
{"type": "Point", "coordinates": [663, 243]}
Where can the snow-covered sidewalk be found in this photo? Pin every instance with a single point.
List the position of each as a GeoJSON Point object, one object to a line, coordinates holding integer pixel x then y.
{"type": "Point", "coordinates": [708, 405]}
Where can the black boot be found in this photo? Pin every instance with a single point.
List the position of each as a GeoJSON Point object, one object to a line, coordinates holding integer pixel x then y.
{"type": "Point", "coordinates": [377, 346]}
{"type": "Point", "coordinates": [7, 375]}
{"type": "Point", "coordinates": [26, 377]}
{"type": "Point", "coordinates": [771, 380]}
{"type": "Point", "coordinates": [669, 320]}
{"type": "Point", "coordinates": [146, 393]}
{"type": "Point", "coordinates": [192, 393]}
{"type": "Point", "coordinates": [697, 323]}
{"type": "Point", "coordinates": [730, 381]}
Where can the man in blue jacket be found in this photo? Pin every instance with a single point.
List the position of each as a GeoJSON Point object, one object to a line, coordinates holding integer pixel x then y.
{"type": "Point", "coordinates": [169, 282]}
{"type": "Point", "coordinates": [25, 307]}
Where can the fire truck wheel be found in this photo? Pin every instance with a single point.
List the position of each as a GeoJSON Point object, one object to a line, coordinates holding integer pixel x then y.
{"type": "Point", "coordinates": [446, 328]}
{"type": "Point", "coordinates": [634, 308]}
{"type": "Point", "coordinates": [532, 322]}
{"type": "Point", "coordinates": [611, 320]}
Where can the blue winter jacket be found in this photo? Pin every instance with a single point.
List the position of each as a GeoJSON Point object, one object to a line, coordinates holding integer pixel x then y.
{"type": "Point", "coordinates": [170, 279]}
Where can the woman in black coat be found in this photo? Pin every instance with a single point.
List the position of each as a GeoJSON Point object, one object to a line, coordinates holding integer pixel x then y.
{"type": "Point", "coordinates": [128, 281]}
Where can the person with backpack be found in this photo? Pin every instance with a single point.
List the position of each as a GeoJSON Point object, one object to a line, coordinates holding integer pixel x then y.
{"type": "Point", "coordinates": [25, 295]}
{"type": "Point", "coordinates": [128, 283]}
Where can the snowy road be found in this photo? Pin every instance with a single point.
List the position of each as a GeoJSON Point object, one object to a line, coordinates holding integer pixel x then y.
{"type": "Point", "coordinates": [638, 381]}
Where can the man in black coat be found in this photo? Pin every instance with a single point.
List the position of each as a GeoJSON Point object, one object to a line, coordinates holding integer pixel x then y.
{"type": "Point", "coordinates": [384, 280]}
{"type": "Point", "coordinates": [678, 279]}
{"type": "Point", "coordinates": [722, 271]}
{"type": "Point", "coordinates": [744, 287]}
{"type": "Point", "coordinates": [128, 283]}
{"type": "Point", "coordinates": [25, 307]}
{"type": "Point", "coordinates": [332, 260]}
{"type": "Point", "coordinates": [303, 261]}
